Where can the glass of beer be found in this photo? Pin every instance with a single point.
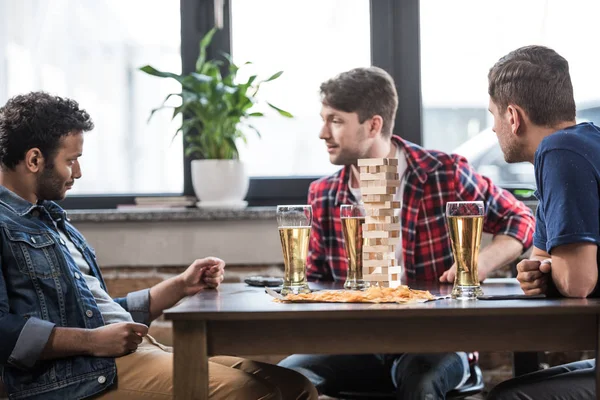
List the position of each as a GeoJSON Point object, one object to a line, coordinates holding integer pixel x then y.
{"type": "Point", "coordinates": [465, 222]}
{"type": "Point", "coordinates": [353, 218]}
{"type": "Point", "coordinates": [294, 231]}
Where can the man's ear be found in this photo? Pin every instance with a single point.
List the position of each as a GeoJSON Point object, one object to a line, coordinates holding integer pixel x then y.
{"type": "Point", "coordinates": [375, 125]}
{"type": "Point", "coordinates": [34, 160]}
{"type": "Point", "coordinates": [515, 118]}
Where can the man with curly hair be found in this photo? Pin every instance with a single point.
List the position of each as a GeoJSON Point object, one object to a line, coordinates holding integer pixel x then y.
{"type": "Point", "coordinates": [63, 336]}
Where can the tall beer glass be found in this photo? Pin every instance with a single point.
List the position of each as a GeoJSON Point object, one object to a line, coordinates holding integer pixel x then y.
{"type": "Point", "coordinates": [465, 222]}
{"type": "Point", "coordinates": [294, 231]}
{"type": "Point", "coordinates": [353, 218]}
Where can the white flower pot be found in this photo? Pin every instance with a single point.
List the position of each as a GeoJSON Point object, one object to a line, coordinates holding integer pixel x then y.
{"type": "Point", "coordinates": [220, 183]}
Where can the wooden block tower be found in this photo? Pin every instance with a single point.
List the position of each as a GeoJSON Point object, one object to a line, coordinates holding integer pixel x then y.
{"type": "Point", "coordinates": [379, 181]}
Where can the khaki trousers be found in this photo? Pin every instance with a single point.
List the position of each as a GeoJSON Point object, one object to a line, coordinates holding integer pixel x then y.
{"type": "Point", "coordinates": [148, 374]}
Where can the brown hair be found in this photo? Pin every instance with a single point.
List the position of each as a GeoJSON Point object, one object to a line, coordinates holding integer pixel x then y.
{"type": "Point", "coordinates": [365, 91]}
{"type": "Point", "coordinates": [537, 79]}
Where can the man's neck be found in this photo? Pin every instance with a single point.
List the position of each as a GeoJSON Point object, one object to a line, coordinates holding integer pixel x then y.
{"type": "Point", "coordinates": [385, 149]}
{"type": "Point", "coordinates": [541, 132]}
{"type": "Point", "coordinates": [14, 182]}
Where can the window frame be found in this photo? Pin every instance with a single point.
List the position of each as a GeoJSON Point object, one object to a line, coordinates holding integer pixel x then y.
{"type": "Point", "coordinates": [395, 47]}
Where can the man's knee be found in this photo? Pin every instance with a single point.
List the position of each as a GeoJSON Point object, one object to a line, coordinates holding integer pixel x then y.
{"type": "Point", "coordinates": [426, 386]}
{"type": "Point", "coordinates": [245, 387]}
{"type": "Point", "coordinates": [259, 390]}
{"type": "Point", "coordinates": [309, 367]}
{"type": "Point", "coordinates": [295, 384]}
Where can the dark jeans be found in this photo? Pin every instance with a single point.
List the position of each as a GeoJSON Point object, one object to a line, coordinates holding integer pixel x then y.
{"type": "Point", "coordinates": [575, 381]}
{"type": "Point", "coordinates": [418, 376]}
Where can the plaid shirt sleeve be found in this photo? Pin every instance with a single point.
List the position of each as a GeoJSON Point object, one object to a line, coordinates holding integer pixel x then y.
{"type": "Point", "coordinates": [505, 215]}
{"type": "Point", "coordinates": [317, 267]}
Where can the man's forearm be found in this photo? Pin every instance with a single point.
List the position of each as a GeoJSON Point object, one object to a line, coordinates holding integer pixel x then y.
{"type": "Point", "coordinates": [164, 295]}
{"type": "Point", "coordinates": [67, 342]}
{"type": "Point", "coordinates": [503, 250]}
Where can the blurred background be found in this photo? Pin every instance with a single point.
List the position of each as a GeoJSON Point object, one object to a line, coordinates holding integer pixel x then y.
{"type": "Point", "coordinates": [91, 50]}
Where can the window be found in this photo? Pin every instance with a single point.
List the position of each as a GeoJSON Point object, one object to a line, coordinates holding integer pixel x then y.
{"type": "Point", "coordinates": [311, 41]}
{"type": "Point", "coordinates": [461, 40]}
{"type": "Point", "coordinates": [91, 51]}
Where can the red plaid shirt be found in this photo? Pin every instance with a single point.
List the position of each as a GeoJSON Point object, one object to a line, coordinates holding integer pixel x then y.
{"type": "Point", "coordinates": [432, 179]}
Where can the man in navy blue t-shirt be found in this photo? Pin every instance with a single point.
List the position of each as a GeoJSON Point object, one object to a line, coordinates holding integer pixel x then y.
{"type": "Point", "coordinates": [531, 100]}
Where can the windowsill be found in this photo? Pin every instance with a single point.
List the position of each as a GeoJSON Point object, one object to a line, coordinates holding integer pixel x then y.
{"type": "Point", "coordinates": [175, 237]}
{"type": "Point", "coordinates": [171, 214]}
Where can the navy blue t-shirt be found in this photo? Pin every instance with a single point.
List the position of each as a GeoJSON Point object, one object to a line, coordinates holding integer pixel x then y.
{"type": "Point", "coordinates": [567, 173]}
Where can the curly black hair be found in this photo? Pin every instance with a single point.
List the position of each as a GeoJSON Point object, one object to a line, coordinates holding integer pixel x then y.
{"type": "Point", "coordinates": [38, 120]}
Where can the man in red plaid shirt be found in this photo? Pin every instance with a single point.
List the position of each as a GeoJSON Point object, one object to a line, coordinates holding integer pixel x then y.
{"type": "Point", "coordinates": [358, 112]}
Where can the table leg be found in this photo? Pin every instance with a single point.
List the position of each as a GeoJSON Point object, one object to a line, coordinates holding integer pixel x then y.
{"type": "Point", "coordinates": [190, 363]}
{"type": "Point", "coordinates": [525, 362]}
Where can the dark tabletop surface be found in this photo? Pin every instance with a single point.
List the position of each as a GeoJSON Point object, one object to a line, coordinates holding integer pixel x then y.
{"type": "Point", "coordinates": [238, 301]}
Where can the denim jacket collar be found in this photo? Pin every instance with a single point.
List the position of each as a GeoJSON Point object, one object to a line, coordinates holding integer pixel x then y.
{"type": "Point", "coordinates": [22, 207]}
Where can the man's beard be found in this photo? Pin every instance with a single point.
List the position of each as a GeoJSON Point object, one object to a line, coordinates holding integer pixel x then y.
{"type": "Point", "coordinates": [345, 159]}
{"type": "Point", "coordinates": [50, 186]}
{"type": "Point", "coordinates": [514, 152]}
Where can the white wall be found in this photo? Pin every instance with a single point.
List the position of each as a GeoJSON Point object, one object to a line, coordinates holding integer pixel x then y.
{"type": "Point", "coordinates": [180, 242]}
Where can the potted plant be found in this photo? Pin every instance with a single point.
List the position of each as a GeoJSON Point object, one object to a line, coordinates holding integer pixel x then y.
{"type": "Point", "coordinates": [215, 107]}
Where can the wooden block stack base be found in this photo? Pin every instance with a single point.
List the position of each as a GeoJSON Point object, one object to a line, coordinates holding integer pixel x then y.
{"type": "Point", "coordinates": [379, 181]}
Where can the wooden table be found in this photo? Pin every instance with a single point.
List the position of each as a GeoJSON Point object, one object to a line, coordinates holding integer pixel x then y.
{"type": "Point", "coordinates": [241, 320]}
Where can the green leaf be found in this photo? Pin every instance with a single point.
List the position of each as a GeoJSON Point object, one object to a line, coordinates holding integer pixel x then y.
{"type": "Point", "coordinates": [154, 72]}
{"type": "Point", "coordinates": [280, 111]}
{"type": "Point", "coordinates": [256, 114]}
{"type": "Point", "coordinates": [255, 130]}
{"type": "Point", "coordinates": [274, 76]}
{"type": "Point", "coordinates": [251, 80]}
{"type": "Point", "coordinates": [203, 45]}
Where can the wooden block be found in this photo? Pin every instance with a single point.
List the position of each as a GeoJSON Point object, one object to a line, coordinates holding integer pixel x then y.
{"type": "Point", "coordinates": [376, 277]}
{"type": "Point", "coordinates": [379, 249]}
{"type": "Point", "coordinates": [378, 190]}
{"type": "Point", "coordinates": [390, 271]}
{"type": "Point", "coordinates": [376, 270]}
{"type": "Point", "coordinates": [380, 234]}
{"type": "Point", "coordinates": [382, 280]}
{"type": "Point", "coordinates": [379, 176]}
{"type": "Point", "coordinates": [396, 205]}
{"type": "Point", "coordinates": [395, 270]}
{"type": "Point", "coordinates": [379, 256]}
{"type": "Point", "coordinates": [384, 183]}
{"type": "Point", "coordinates": [379, 212]}
{"type": "Point", "coordinates": [377, 198]}
{"type": "Point", "coordinates": [380, 241]}
{"type": "Point", "coordinates": [381, 227]}
{"type": "Point", "coordinates": [362, 162]}
{"type": "Point", "coordinates": [382, 220]}
{"type": "Point", "coordinates": [379, 263]}
{"type": "Point", "coordinates": [378, 169]}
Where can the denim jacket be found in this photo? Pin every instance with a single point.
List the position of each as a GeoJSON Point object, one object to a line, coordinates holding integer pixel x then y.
{"type": "Point", "coordinates": [41, 287]}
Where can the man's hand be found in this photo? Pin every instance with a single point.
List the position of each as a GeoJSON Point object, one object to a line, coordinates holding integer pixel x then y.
{"type": "Point", "coordinates": [203, 273]}
{"type": "Point", "coordinates": [449, 275]}
{"type": "Point", "coordinates": [533, 276]}
{"type": "Point", "coordinates": [116, 340]}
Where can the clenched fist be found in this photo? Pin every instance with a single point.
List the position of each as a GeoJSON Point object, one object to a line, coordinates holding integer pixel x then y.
{"type": "Point", "coordinates": [116, 340]}
{"type": "Point", "coordinates": [203, 273]}
{"type": "Point", "coordinates": [533, 276]}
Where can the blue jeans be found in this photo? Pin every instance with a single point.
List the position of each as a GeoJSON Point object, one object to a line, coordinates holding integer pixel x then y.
{"type": "Point", "coordinates": [575, 381]}
{"type": "Point", "coordinates": [411, 376]}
